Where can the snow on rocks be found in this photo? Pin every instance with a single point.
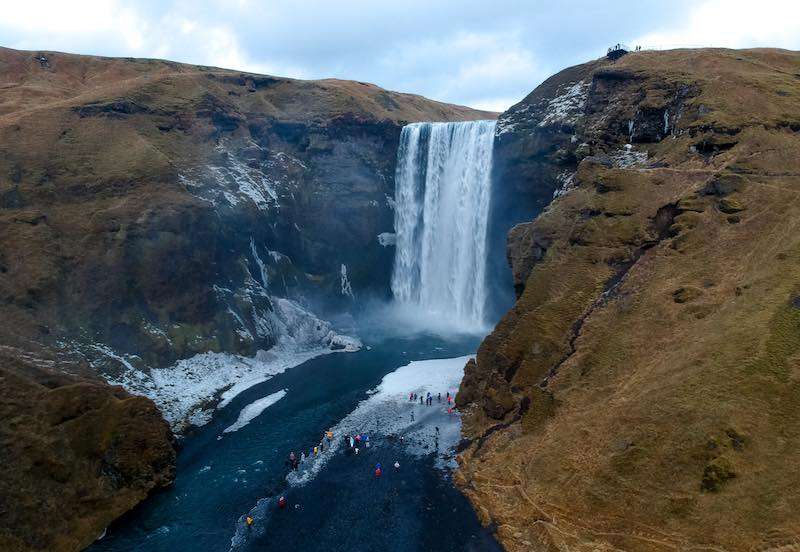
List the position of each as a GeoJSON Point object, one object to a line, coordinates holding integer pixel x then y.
{"type": "Point", "coordinates": [567, 183]}
{"type": "Point", "coordinates": [567, 105]}
{"type": "Point", "coordinates": [188, 392]}
{"type": "Point", "coordinates": [627, 157]}
{"type": "Point", "coordinates": [234, 180]}
{"type": "Point", "coordinates": [347, 289]}
{"type": "Point", "coordinates": [509, 120]}
{"type": "Point", "coordinates": [563, 109]}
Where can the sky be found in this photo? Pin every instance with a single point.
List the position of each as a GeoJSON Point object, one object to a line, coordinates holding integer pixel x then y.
{"type": "Point", "coordinates": [487, 54]}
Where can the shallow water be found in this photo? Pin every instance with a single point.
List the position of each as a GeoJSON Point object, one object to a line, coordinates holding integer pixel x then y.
{"type": "Point", "coordinates": [344, 506]}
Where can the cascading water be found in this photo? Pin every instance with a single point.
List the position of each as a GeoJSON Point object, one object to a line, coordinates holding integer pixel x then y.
{"type": "Point", "coordinates": [442, 188]}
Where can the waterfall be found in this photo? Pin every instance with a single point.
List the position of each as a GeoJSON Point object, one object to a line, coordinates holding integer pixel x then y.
{"type": "Point", "coordinates": [442, 208]}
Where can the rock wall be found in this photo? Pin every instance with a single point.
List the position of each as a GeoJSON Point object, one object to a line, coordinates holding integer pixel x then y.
{"type": "Point", "coordinates": [640, 393]}
{"type": "Point", "coordinates": [153, 208]}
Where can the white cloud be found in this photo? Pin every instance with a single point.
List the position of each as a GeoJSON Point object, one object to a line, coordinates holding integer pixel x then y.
{"type": "Point", "coordinates": [471, 52]}
{"type": "Point", "coordinates": [476, 69]}
{"type": "Point", "coordinates": [733, 24]}
{"type": "Point", "coordinates": [53, 21]}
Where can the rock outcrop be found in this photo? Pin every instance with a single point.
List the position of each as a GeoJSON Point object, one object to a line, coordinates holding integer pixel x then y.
{"type": "Point", "coordinates": [76, 454]}
{"type": "Point", "coordinates": [642, 393]}
{"type": "Point", "coordinates": [152, 212]}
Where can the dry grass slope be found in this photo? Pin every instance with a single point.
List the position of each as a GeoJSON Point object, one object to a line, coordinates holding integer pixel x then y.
{"type": "Point", "coordinates": [653, 353]}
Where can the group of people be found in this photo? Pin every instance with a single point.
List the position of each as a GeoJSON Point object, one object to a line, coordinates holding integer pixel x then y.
{"type": "Point", "coordinates": [353, 443]}
{"type": "Point", "coordinates": [428, 399]}
{"type": "Point", "coordinates": [293, 462]}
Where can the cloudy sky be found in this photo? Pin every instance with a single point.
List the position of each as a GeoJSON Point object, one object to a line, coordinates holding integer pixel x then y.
{"type": "Point", "coordinates": [484, 53]}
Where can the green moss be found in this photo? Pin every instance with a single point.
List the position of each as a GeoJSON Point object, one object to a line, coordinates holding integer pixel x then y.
{"type": "Point", "coordinates": [692, 204]}
{"type": "Point", "coordinates": [729, 205]}
{"type": "Point", "coordinates": [716, 473]}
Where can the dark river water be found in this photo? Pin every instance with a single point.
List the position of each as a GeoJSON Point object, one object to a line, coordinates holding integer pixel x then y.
{"type": "Point", "coordinates": [223, 477]}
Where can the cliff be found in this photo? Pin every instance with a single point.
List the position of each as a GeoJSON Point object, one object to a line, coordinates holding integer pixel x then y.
{"type": "Point", "coordinates": [153, 213]}
{"type": "Point", "coordinates": [642, 393]}
{"type": "Point", "coordinates": [76, 454]}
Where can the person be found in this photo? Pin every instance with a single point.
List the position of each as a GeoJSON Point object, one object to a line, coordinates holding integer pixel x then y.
{"type": "Point", "coordinates": [378, 470]}
{"type": "Point", "coordinates": [366, 440]}
{"type": "Point", "coordinates": [396, 465]}
{"type": "Point", "coordinates": [356, 450]}
{"type": "Point", "coordinates": [420, 399]}
{"type": "Point", "coordinates": [411, 396]}
{"type": "Point", "coordinates": [316, 451]}
{"type": "Point", "coordinates": [302, 457]}
{"type": "Point", "coordinates": [282, 502]}
{"type": "Point", "coordinates": [352, 442]}
{"type": "Point", "coordinates": [293, 461]}
{"type": "Point", "coordinates": [249, 521]}
{"type": "Point", "coordinates": [439, 398]}
{"type": "Point", "coordinates": [329, 435]}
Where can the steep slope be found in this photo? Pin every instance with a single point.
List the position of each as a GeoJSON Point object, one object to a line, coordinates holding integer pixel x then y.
{"type": "Point", "coordinates": [156, 219]}
{"type": "Point", "coordinates": [642, 393]}
{"type": "Point", "coordinates": [76, 454]}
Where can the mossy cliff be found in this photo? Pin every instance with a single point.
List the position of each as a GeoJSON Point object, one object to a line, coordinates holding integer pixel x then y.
{"type": "Point", "coordinates": [643, 393]}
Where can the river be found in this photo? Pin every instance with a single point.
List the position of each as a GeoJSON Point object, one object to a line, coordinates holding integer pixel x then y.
{"type": "Point", "coordinates": [222, 476]}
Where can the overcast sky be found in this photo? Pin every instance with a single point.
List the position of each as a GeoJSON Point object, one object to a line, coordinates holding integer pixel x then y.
{"type": "Point", "coordinates": [487, 53]}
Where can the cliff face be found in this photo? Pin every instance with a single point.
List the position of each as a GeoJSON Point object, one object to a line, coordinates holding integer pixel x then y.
{"type": "Point", "coordinates": [152, 212]}
{"type": "Point", "coordinates": [643, 392]}
{"type": "Point", "coordinates": [141, 201]}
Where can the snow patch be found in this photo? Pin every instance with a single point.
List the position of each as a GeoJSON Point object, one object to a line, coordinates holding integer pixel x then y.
{"type": "Point", "coordinates": [627, 157]}
{"type": "Point", "coordinates": [254, 409]}
{"type": "Point", "coordinates": [187, 392]}
{"type": "Point", "coordinates": [347, 289]}
{"type": "Point", "coordinates": [261, 266]}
